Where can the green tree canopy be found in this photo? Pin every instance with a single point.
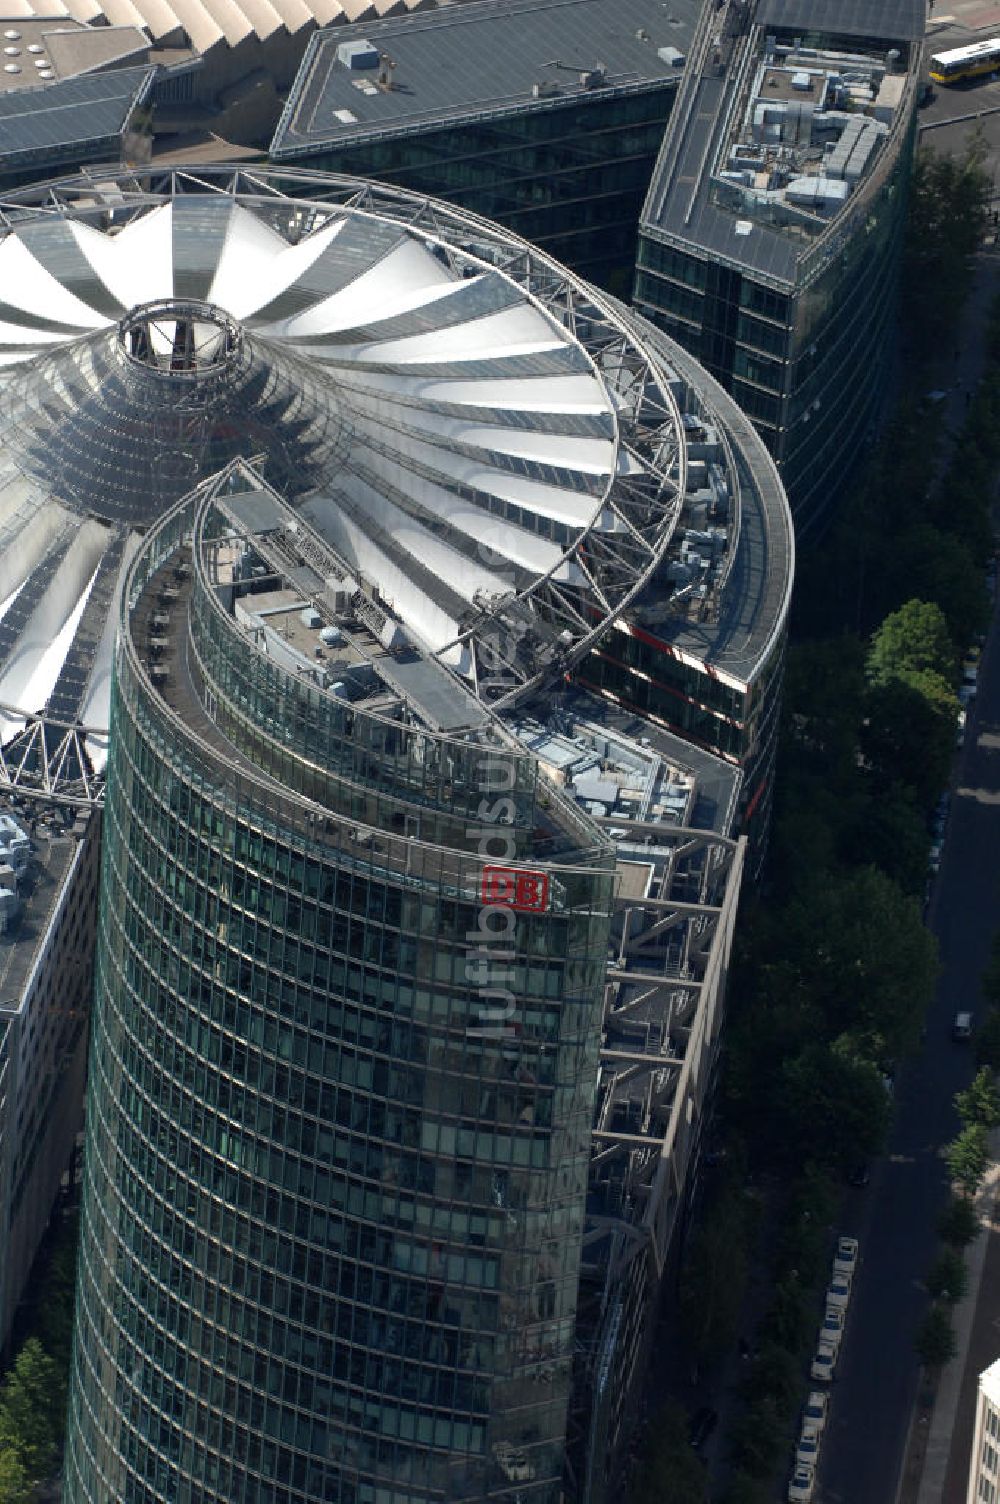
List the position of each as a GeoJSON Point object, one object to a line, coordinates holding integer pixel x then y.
{"type": "Point", "coordinates": [935, 1340]}
{"type": "Point", "coordinates": [959, 1224]}
{"type": "Point", "coordinates": [912, 640]}
{"type": "Point", "coordinates": [670, 1469]}
{"type": "Point", "coordinates": [15, 1486]}
{"type": "Point", "coordinates": [833, 1108]}
{"type": "Point", "coordinates": [32, 1400]}
{"type": "Point", "coordinates": [967, 1157]}
{"type": "Point", "coordinates": [980, 1101]}
{"type": "Point", "coordinates": [859, 954]}
{"type": "Point", "coordinates": [713, 1277]}
{"type": "Point", "coordinates": [948, 1278]}
{"type": "Point", "coordinates": [908, 735]}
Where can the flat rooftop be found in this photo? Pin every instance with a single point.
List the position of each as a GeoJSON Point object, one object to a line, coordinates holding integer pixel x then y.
{"type": "Point", "coordinates": [51, 115]}
{"type": "Point", "coordinates": [782, 121]}
{"type": "Point", "coordinates": [47, 48]}
{"type": "Point", "coordinates": [495, 57]}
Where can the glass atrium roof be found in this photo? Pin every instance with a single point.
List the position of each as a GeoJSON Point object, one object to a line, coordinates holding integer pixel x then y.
{"type": "Point", "coordinates": [485, 443]}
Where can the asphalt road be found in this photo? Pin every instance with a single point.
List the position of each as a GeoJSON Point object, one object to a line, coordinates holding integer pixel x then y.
{"type": "Point", "coordinates": [895, 1217]}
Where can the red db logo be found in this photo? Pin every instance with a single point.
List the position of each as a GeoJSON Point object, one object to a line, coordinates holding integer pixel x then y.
{"type": "Point", "coordinates": [510, 888]}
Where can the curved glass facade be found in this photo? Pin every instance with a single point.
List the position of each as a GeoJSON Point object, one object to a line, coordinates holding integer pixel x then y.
{"type": "Point", "coordinates": [339, 1109]}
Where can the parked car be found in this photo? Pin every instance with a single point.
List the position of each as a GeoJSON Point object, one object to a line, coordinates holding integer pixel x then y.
{"type": "Point", "coordinates": [961, 1029]}
{"type": "Point", "coordinates": [703, 1423]}
{"type": "Point", "coordinates": [966, 695]}
{"type": "Point", "coordinates": [803, 1481]}
{"type": "Point", "coordinates": [838, 1291]}
{"type": "Point", "coordinates": [845, 1260]}
{"type": "Point", "coordinates": [807, 1450]}
{"type": "Point", "coordinates": [824, 1362]}
{"type": "Point", "coordinates": [970, 672]}
{"type": "Point", "coordinates": [960, 729]}
{"type": "Point", "coordinates": [815, 1408]}
{"type": "Point", "coordinates": [859, 1174]}
{"type": "Point", "coordinates": [832, 1328]}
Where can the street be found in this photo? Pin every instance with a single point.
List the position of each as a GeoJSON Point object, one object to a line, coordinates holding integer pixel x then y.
{"type": "Point", "coordinates": [895, 1217]}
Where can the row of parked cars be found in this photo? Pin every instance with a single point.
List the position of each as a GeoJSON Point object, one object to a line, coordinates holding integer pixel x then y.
{"type": "Point", "coordinates": [831, 1331]}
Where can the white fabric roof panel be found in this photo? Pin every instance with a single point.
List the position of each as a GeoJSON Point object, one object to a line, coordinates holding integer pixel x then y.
{"type": "Point", "coordinates": [475, 445]}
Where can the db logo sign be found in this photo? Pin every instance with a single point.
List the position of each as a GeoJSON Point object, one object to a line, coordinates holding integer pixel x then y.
{"type": "Point", "coordinates": [510, 888]}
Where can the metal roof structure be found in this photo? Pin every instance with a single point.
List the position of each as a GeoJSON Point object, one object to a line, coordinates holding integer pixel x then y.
{"type": "Point", "coordinates": [477, 62]}
{"type": "Point", "coordinates": [94, 107]}
{"type": "Point", "coordinates": [489, 454]}
{"type": "Point", "coordinates": [895, 20]}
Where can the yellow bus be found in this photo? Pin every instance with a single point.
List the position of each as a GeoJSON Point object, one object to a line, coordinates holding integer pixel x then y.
{"type": "Point", "coordinates": [965, 62]}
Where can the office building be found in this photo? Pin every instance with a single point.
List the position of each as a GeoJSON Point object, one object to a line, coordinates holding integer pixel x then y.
{"type": "Point", "coordinates": [984, 1463]}
{"type": "Point", "coordinates": [544, 115]}
{"type": "Point", "coordinates": [771, 234]}
{"type": "Point", "coordinates": [48, 906]}
{"type": "Point", "coordinates": [412, 946]}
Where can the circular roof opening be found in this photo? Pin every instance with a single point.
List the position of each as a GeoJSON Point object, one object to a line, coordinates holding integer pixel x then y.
{"type": "Point", "coordinates": [46, 73]}
{"type": "Point", "coordinates": [35, 47]}
{"type": "Point", "coordinates": [39, 62]}
{"type": "Point", "coordinates": [12, 67]}
{"type": "Point", "coordinates": [179, 337]}
{"type": "Point", "coordinates": [12, 36]}
{"type": "Point", "coordinates": [12, 51]}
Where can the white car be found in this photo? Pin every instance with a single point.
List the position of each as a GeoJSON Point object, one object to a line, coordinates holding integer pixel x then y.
{"type": "Point", "coordinates": [823, 1363]}
{"type": "Point", "coordinates": [814, 1410]}
{"type": "Point", "coordinates": [846, 1257]}
{"type": "Point", "coordinates": [803, 1481]}
{"type": "Point", "coordinates": [838, 1291]}
{"type": "Point", "coordinates": [807, 1450]}
{"type": "Point", "coordinates": [833, 1326]}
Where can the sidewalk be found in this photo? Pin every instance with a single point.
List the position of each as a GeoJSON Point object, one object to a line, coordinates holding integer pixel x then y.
{"type": "Point", "coordinates": [936, 1463]}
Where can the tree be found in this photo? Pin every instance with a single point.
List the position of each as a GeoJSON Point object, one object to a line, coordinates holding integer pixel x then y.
{"type": "Point", "coordinates": [913, 640]}
{"type": "Point", "coordinates": [948, 1278]}
{"type": "Point", "coordinates": [713, 1278]}
{"type": "Point", "coordinates": [833, 1106]}
{"type": "Point", "coordinates": [775, 1372]}
{"type": "Point", "coordinates": [935, 1340]}
{"type": "Point", "coordinates": [788, 1320]}
{"type": "Point", "coordinates": [856, 950]}
{"type": "Point", "coordinates": [670, 1469]}
{"type": "Point", "coordinates": [744, 1489]}
{"type": "Point", "coordinates": [988, 1041]}
{"type": "Point", "coordinates": [15, 1486]}
{"type": "Point", "coordinates": [967, 1157]}
{"type": "Point", "coordinates": [908, 734]}
{"type": "Point", "coordinates": [948, 197]}
{"type": "Point", "coordinates": [958, 1224]}
{"type": "Point", "coordinates": [980, 1102]}
{"type": "Point", "coordinates": [759, 1435]}
{"type": "Point", "coordinates": [31, 1404]}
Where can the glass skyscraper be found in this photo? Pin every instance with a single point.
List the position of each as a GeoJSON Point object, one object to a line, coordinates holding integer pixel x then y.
{"type": "Point", "coordinates": [411, 950]}
{"type": "Point", "coordinates": [337, 1151]}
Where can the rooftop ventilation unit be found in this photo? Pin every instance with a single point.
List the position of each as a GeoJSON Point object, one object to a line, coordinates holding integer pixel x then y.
{"type": "Point", "coordinates": [357, 54]}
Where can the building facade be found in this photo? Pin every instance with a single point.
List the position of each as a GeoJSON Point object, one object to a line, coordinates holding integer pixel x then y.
{"type": "Point", "coordinates": [771, 236]}
{"type": "Point", "coordinates": [984, 1458]}
{"type": "Point", "coordinates": [48, 906]}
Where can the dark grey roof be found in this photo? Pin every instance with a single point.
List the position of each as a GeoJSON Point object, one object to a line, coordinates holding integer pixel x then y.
{"type": "Point", "coordinates": [483, 59]}
{"type": "Point", "coordinates": [889, 20]}
{"type": "Point", "coordinates": [80, 111]}
{"type": "Point", "coordinates": [680, 203]}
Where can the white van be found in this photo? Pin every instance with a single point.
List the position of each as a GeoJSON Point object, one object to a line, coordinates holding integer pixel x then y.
{"type": "Point", "coordinates": [962, 1027]}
